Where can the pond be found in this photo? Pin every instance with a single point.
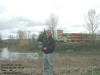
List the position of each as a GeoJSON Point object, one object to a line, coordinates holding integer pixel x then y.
{"type": "Point", "coordinates": [5, 54]}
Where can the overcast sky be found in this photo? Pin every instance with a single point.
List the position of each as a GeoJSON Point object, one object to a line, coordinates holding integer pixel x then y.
{"type": "Point", "coordinates": [31, 15]}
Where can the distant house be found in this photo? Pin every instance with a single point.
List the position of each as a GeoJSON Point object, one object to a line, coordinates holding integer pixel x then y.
{"type": "Point", "coordinates": [74, 37]}
{"type": "Point", "coordinates": [59, 35]}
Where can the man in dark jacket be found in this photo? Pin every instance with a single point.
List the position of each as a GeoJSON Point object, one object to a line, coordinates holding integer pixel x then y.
{"type": "Point", "coordinates": [48, 49]}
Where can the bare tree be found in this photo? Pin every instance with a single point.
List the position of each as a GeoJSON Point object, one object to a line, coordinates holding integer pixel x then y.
{"type": "Point", "coordinates": [52, 24]}
{"type": "Point", "coordinates": [28, 34]}
{"type": "Point", "coordinates": [21, 35]}
{"type": "Point", "coordinates": [92, 22]}
{"type": "Point", "coordinates": [1, 41]}
{"type": "Point", "coordinates": [11, 36]}
{"type": "Point", "coordinates": [0, 37]}
{"type": "Point", "coordinates": [33, 36]}
{"type": "Point", "coordinates": [11, 40]}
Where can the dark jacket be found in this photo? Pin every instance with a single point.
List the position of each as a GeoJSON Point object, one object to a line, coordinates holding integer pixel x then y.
{"type": "Point", "coordinates": [49, 43]}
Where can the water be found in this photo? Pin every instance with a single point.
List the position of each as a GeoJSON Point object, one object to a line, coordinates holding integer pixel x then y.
{"type": "Point", "coordinates": [8, 55]}
{"type": "Point", "coordinates": [5, 53]}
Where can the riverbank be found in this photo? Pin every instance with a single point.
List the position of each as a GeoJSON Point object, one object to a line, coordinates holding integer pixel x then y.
{"type": "Point", "coordinates": [73, 63]}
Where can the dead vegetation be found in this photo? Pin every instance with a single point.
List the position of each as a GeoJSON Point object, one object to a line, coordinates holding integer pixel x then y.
{"type": "Point", "coordinates": [63, 64]}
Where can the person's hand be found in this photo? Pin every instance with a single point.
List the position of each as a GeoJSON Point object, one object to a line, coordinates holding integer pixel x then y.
{"type": "Point", "coordinates": [39, 42]}
{"type": "Point", "coordinates": [45, 48]}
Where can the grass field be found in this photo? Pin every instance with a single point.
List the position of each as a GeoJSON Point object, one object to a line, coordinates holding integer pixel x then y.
{"type": "Point", "coordinates": [65, 63]}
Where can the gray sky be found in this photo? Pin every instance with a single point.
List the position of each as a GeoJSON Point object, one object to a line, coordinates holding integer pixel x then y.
{"type": "Point", "coordinates": [31, 15]}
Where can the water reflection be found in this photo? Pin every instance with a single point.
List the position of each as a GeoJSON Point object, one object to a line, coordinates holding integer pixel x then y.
{"type": "Point", "coordinates": [7, 55]}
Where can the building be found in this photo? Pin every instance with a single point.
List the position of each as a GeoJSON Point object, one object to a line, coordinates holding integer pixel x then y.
{"type": "Point", "coordinates": [59, 35]}
{"type": "Point", "coordinates": [74, 37]}
{"type": "Point", "coordinates": [77, 37]}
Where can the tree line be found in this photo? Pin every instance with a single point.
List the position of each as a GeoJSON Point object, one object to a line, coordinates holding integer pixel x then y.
{"type": "Point", "coordinates": [26, 40]}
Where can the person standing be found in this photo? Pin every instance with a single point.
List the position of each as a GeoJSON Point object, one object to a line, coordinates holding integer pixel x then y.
{"type": "Point", "coordinates": [48, 49]}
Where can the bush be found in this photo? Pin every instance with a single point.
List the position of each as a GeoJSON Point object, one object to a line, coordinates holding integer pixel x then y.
{"type": "Point", "coordinates": [87, 46]}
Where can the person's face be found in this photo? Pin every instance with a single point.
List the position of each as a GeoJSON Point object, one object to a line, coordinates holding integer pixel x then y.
{"type": "Point", "coordinates": [48, 33]}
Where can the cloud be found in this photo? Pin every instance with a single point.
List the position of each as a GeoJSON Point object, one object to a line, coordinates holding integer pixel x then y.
{"type": "Point", "coordinates": [2, 9]}
{"type": "Point", "coordinates": [76, 26]}
{"type": "Point", "coordinates": [12, 25]}
{"type": "Point", "coordinates": [18, 22]}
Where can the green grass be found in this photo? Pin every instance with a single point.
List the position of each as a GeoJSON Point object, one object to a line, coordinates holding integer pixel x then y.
{"type": "Point", "coordinates": [97, 73]}
{"type": "Point", "coordinates": [90, 73]}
